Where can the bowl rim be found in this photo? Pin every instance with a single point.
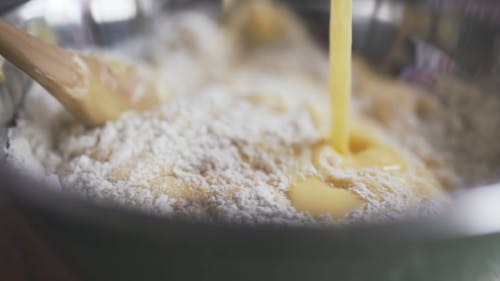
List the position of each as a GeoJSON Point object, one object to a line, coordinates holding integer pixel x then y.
{"type": "Point", "coordinates": [460, 220]}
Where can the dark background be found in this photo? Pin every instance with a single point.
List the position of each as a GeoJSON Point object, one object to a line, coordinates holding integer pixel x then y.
{"type": "Point", "coordinates": [24, 256]}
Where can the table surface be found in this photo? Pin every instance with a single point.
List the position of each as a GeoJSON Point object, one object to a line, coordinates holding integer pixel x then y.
{"type": "Point", "coordinates": [23, 253]}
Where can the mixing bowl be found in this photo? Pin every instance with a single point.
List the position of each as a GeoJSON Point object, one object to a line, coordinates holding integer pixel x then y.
{"type": "Point", "coordinates": [107, 242]}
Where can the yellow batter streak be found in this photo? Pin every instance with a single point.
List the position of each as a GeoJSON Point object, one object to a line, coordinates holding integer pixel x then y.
{"type": "Point", "coordinates": [340, 71]}
{"type": "Point", "coordinates": [351, 145]}
{"type": "Point", "coordinates": [357, 147]}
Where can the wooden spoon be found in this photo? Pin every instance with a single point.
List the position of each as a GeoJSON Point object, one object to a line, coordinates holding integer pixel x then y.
{"type": "Point", "coordinates": [94, 90]}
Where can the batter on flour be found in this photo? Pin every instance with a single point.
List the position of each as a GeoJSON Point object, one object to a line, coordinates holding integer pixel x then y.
{"type": "Point", "coordinates": [238, 133]}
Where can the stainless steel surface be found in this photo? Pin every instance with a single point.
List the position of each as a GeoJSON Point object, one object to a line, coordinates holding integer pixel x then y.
{"type": "Point", "coordinates": [79, 24]}
{"type": "Point", "coordinates": [376, 26]}
{"type": "Point", "coordinates": [7, 5]}
{"type": "Point", "coordinates": [467, 31]}
{"type": "Point", "coordinates": [12, 94]}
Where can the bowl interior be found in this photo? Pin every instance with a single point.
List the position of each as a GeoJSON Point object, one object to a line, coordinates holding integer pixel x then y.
{"type": "Point", "coordinates": [472, 103]}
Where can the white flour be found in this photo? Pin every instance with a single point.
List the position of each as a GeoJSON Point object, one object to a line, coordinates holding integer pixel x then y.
{"type": "Point", "coordinates": [227, 150]}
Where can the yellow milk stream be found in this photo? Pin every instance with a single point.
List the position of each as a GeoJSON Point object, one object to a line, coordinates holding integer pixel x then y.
{"type": "Point", "coordinates": [340, 72]}
{"type": "Point", "coordinates": [358, 146]}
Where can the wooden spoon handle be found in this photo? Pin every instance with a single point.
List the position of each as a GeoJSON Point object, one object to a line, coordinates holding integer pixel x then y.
{"type": "Point", "coordinates": [49, 65]}
{"type": "Point", "coordinates": [92, 89]}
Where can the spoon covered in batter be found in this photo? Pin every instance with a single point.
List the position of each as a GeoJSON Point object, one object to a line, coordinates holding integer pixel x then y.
{"type": "Point", "coordinates": [93, 89]}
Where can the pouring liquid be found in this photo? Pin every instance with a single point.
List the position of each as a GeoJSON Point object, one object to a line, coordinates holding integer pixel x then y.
{"type": "Point", "coordinates": [355, 145]}
{"type": "Point", "coordinates": [312, 194]}
{"type": "Point", "coordinates": [340, 72]}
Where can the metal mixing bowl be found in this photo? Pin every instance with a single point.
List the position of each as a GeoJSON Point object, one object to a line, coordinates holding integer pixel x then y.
{"type": "Point", "coordinates": [108, 242]}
